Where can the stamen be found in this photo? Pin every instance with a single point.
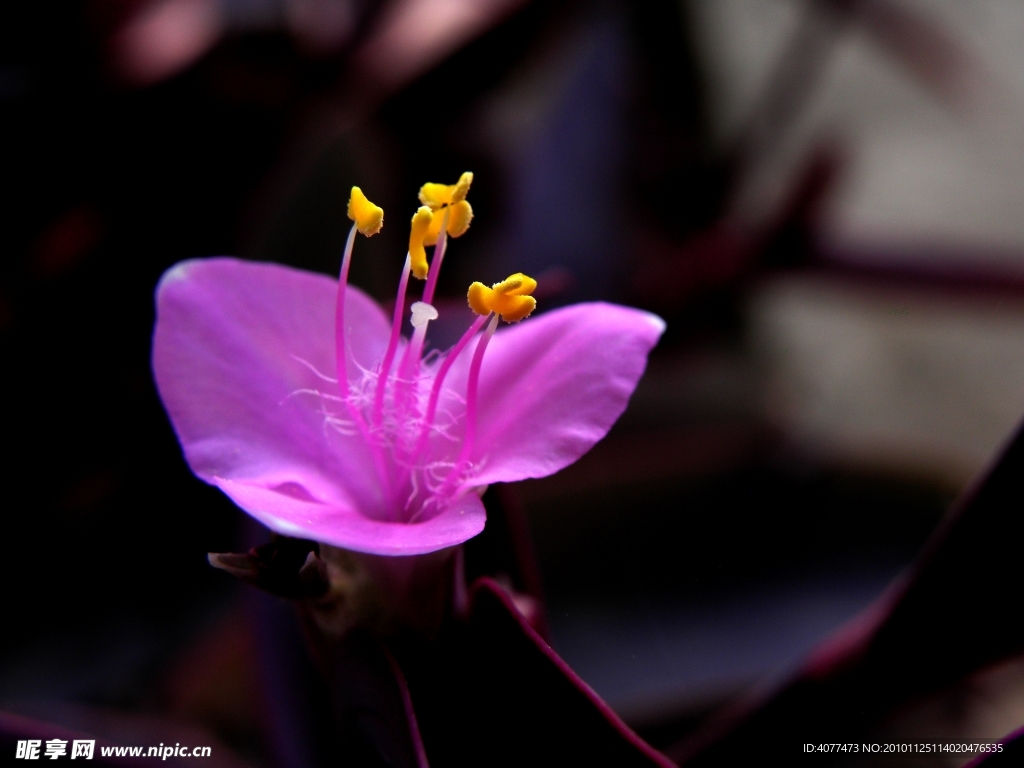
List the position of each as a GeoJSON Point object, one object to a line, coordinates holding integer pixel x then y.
{"type": "Point", "coordinates": [469, 436]}
{"type": "Point", "coordinates": [510, 298]}
{"type": "Point", "coordinates": [442, 372]}
{"type": "Point", "coordinates": [435, 267]}
{"type": "Point", "coordinates": [357, 418]}
{"type": "Point", "coordinates": [435, 227]}
{"type": "Point", "coordinates": [415, 346]}
{"type": "Point", "coordinates": [369, 218]}
{"type": "Point", "coordinates": [389, 355]}
{"type": "Point", "coordinates": [461, 188]}
{"type": "Point", "coordinates": [438, 195]}
{"type": "Point", "coordinates": [411, 358]}
{"type": "Point", "coordinates": [407, 383]}
{"type": "Point", "coordinates": [462, 215]}
{"type": "Point", "coordinates": [435, 195]}
{"type": "Point", "coordinates": [472, 386]}
{"type": "Point", "coordinates": [341, 362]}
{"type": "Point", "coordinates": [390, 423]}
{"type": "Point", "coordinates": [417, 233]}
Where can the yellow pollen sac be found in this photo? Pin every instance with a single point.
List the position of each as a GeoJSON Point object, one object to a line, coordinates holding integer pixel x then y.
{"type": "Point", "coordinates": [510, 298]}
{"type": "Point", "coordinates": [461, 213]}
{"type": "Point", "coordinates": [459, 216]}
{"type": "Point", "coordinates": [434, 229]}
{"type": "Point", "coordinates": [435, 195]}
{"type": "Point", "coordinates": [439, 195]}
{"type": "Point", "coordinates": [461, 188]}
{"type": "Point", "coordinates": [421, 221]}
{"type": "Point", "coordinates": [369, 218]}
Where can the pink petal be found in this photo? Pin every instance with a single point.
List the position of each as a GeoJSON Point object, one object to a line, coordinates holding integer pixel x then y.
{"type": "Point", "coordinates": [234, 346]}
{"type": "Point", "coordinates": [552, 386]}
{"type": "Point", "coordinates": [344, 527]}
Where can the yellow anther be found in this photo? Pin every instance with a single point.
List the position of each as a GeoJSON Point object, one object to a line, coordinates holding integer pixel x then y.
{"type": "Point", "coordinates": [461, 188]}
{"type": "Point", "coordinates": [434, 229]}
{"type": "Point", "coordinates": [516, 285]}
{"type": "Point", "coordinates": [459, 216]}
{"type": "Point", "coordinates": [435, 195]}
{"type": "Point", "coordinates": [439, 195]}
{"type": "Point", "coordinates": [417, 255]}
{"type": "Point", "coordinates": [369, 218]}
{"type": "Point", "coordinates": [510, 298]}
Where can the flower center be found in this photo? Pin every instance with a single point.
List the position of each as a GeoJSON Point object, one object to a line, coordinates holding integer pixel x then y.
{"type": "Point", "coordinates": [421, 457]}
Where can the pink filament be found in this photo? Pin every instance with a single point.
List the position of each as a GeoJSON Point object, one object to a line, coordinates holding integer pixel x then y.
{"type": "Point", "coordinates": [472, 385]}
{"type": "Point", "coordinates": [435, 265]}
{"type": "Point", "coordinates": [471, 390]}
{"type": "Point", "coordinates": [341, 363]}
{"type": "Point", "coordinates": [407, 383]}
{"type": "Point", "coordinates": [389, 355]}
{"type": "Point", "coordinates": [435, 391]}
{"type": "Point", "coordinates": [406, 376]}
{"type": "Point", "coordinates": [415, 348]}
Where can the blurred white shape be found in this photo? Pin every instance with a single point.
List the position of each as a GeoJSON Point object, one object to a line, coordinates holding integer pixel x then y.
{"type": "Point", "coordinates": [422, 313]}
{"type": "Point", "coordinates": [165, 38]}
{"type": "Point", "coordinates": [898, 378]}
{"type": "Point", "coordinates": [414, 35]}
{"type": "Point", "coordinates": [919, 174]}
{"type": "Point", "coordinates": [930, 197]}
{"type": "Point", "coordinates": [739, 42]}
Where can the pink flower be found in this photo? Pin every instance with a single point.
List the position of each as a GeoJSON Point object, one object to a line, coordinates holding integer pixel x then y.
{"type": "Point", "coordinates": [392, 460]}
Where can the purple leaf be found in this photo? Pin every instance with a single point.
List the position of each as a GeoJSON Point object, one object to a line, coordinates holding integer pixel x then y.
{"type": "Point", "coordinates": [946, 619]}
{"type": "Point", "coordinates": [492, 692]}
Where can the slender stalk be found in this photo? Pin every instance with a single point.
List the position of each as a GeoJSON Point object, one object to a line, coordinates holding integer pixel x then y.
{"type": "Point", "coordinates": [438, 259]}
{"type": "Point", "coordinates": [442, 372]}
{"type": "Point", "coordinates": [389, 355]}
{"type": "Point", "coordinates": [341, 362]}
{"type": "Point", "coordinates": [415, 348]}
{"type": "Point", "coordinates": [472, 387]}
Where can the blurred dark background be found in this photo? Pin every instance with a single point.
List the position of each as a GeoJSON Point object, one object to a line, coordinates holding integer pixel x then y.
{"type": "Point", "coordinates": [822, 198]}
